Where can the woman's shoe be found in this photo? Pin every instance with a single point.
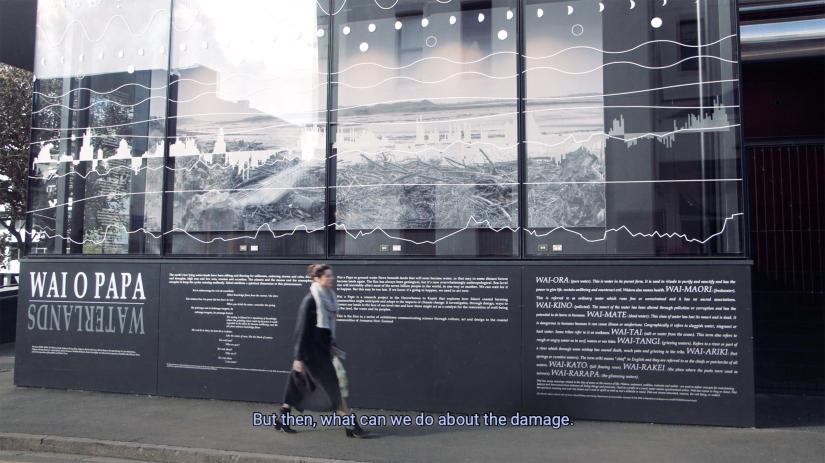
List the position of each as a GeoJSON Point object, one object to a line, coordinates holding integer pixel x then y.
{"type": "Point", "coordinates": [283, 426]}
{"type": "Point", "coordinates": [356, 431]}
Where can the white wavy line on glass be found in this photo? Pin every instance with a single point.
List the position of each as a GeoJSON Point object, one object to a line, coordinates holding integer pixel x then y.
{"type": "Point", "coordinates": [154, 137]}
{"type": "Point", "coordinates": [537, 68]}
{"type": "Point", "coordinates": [105, 28]}
{"type": "Point", "coordinates": [429, 148]}
{"type": "Point", "coordinates": [179, 230]}
{"type": "Point", "coordinates": [138, 193]}
{"type": "Point", "coordinates": [646, 135]}
{"type": "Point", "coordinates": [179, 135]}
{"type": "Point", "coordinates": [617, 52]}
{"type": "Point", "coordinates": [376, 185]}
{"type": "Point", "coordinates": [488, 116]}
{"type": "Point", "coordinates": [199, 161]}
{"type": "Point", "coordinates": [440, 58]}
{"type": "Point", "coordinates": [654, 68]}
{"type": "Point", "coordinates": [579, 97]}
{"type": "Point", "coordinates": [154, 97]}
{"type": "Point", "coordinates": [475, 61]}
{"type": "Point", "coordinates": [407, 78]}
{"type": "Point", "coordinates": [418, 61]}
{"type": "Point", "coordinates": [343, 227]}
{"type": "Point", "coordinates": [379, 5]}
{"type": "Point", "coordinates": [438, 121]}
{"type": "Point", "coordinates": [654, 234]}
{"type": "Point", "coordinates": [107, 92]}
{"type": "Point", "coordinates": [405, 100]}
{"type": "Point", "coordinates": [600, 182]}
{"type": "Point", "coordinates": [100, 127]}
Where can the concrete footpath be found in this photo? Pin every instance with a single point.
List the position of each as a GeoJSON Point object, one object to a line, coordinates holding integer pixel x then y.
{"type": "Point", "coordinates": [164, 429]}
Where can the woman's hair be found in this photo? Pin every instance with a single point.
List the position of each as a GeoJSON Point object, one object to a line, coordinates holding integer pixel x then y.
{"type": "Point", "coordinates": [316, 270]}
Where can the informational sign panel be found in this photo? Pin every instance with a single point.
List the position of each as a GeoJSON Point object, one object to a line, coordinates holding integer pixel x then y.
{"type": "Point", "coordinates": [415, 337]}
{"type": "Point", "coordinates": [640, 343]}
{"type": "Point", "coordinates": [227, 329]}
{"type": "Point", "coordinates": [87, 326]}
{"type": "Point", "coordinates": [664, 343]}
{"type": "Point", "coordinates": [435, 338]}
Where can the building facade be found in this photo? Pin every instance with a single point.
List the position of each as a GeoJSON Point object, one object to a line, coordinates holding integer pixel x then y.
{"type": "Point", "coordinates": [530, 205]}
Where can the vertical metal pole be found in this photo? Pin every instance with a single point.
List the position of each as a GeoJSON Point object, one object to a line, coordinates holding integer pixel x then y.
{"type": "Point", "coordinates": [522, 130]}
{"type": "Point", "coordinates": [77, 219]}
{"type": "Point", "coordinates": [164, 222]}
{"type": "Point", "coordinates": [25, 247]}
{"type": "Point", "coordinates": [63, 168]}
{"type": "Point", "coordinates": [703, 187]}
{"type": "Point", "coordinates": [744, 159]}
{"type": "Point", "coordinates": [329, 215]}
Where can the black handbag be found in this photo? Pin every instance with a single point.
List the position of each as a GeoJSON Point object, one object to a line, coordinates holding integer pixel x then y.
{"type": "Point", "coordinates": [306, 394]}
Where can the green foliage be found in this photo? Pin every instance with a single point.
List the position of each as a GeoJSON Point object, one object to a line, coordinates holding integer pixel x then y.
{"type": "Point", "coordinates": [15, 125]}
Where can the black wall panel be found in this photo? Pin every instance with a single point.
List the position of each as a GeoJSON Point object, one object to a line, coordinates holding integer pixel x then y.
{"type": "Point", "coordinates": [665, 343]}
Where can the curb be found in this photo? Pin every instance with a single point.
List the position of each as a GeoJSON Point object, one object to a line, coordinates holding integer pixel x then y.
{"type": "Point", "coordinates": [140, 451]}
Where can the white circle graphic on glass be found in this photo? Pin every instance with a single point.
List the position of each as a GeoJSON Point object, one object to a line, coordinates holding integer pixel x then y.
{"type": "Point", "coordinates": [141, 51]}
{"type": "Point", "coordinates": [509, 14]}
{"type": "Point", "coordinates": [183, 47]}
{"type": "Point", "coordinates": [577, 30]}
{"type": "Point", "coordinates": [120, 54]}
{"type": "Point", "coordinates": [502, 34]}
{"type": "Point", "coordinates": [601, 7]}
{"type": "Point", "coordinates": [364, 46]}
{"type": "Point", "coordinates": [452, 20]}
{"type": "Point", "coordinates": [371, 27]}
{"type": "Point", "coordinates": [320, 32]}
{"type": "Point", "coordinates": [130, 69]}
{"type": "Point", "coordinates": [656, 22]}
{"type": "Point", "coordinates": [431, 41]}
{"type": "Point", "coordinates": [569, 10]}
{"type": "Point", "coordinates": [100, 55]}
{"type": "Point", "coordinates": [425, 22]}
{"type": "Point", "coordinates": [345, 30]}
{"type": "Point", "coordinates": [398, 25]}
{"type": "Point", "coordinates": [162, 50]}
{"type": "Point", "coordinates": [481, 17]}
{"type": "Point", "coordinates": [539, 13]}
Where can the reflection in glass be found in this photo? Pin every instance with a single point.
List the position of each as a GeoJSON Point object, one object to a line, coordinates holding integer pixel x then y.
{"type": "Point", "coordinates": [98, 121]}
{"type": "Point", "coordinates": [426, 138]}
{"type": "Point", "coordinates": [631, 129]}
{"type": "Point", "coordinates": [247, 133]}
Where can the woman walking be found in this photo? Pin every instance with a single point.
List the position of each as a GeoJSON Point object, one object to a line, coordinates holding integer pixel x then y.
{"type": "Point", "coordinates": [313, 382]}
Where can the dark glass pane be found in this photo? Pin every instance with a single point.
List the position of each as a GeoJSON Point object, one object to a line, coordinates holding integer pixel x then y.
{"type": "Point", "coordinates": [632, 123]}
{"type": "Point", "coordinates": [97, 133]}
{"type": "Point", "coordinates": [248, 128]}
{"type": "Point", "coordinates": [425, 139]}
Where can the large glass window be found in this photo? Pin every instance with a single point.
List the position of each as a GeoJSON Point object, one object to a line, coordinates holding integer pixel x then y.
{"type": "Point", "coordinates": [98, 117]}
{"type": "Point", "coordinates": [216, 115]}
{"type": "Point", "coordinates": [425, 129]}
{"type": "Point", "coordinates": [632, 120]}
{"type": "Point", "coordinates": [247, 138]}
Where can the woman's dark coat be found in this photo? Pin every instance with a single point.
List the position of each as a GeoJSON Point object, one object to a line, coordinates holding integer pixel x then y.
{"type": "Point", "coordinates": [318, 390]}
